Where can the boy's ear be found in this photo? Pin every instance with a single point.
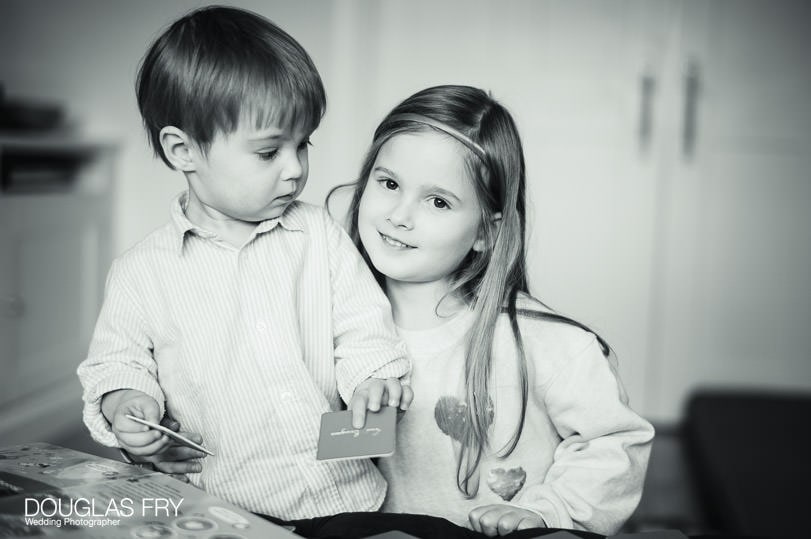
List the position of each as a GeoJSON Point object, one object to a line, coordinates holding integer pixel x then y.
{"type": "Point", "coordinates": [479, 244]}
{"type": "Point", "coordinates": [177, 147]}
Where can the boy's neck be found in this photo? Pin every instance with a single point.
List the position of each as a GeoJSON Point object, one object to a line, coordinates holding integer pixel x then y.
{"type": "Point", "coordinates": [414, 305]}
{"type": "Point", "coordinates": [232, 231]}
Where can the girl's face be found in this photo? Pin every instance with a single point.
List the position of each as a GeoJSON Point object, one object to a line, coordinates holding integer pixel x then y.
{"type": "Point", "coordinates": [419, 215]}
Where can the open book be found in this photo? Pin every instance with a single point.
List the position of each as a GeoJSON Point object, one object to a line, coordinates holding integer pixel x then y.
{"type": "Point", "coordinates": [51, 491]}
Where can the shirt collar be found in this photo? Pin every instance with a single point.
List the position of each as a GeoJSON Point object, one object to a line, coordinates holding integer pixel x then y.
{"type": "Point", "coordinates": [289, 220]}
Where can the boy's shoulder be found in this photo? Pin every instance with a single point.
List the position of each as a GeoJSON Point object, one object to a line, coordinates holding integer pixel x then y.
{"type": "Point", "coordinates": [160, 243]}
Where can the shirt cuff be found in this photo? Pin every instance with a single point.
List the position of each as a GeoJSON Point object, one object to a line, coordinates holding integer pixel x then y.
{"type": "Point", "coordinates": [96, 422]}
{"type": "Point", "coordinates": [348, 382]}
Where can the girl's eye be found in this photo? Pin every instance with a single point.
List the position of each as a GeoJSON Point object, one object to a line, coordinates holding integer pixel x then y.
{"type": "Point", "coordinates": [440, 203]}
{"type": "Point", "coordinates": [304, 144]}
{"type": "Point", "coordinates": [269, 155]}
{"type": "Point", "coordinates": [389, 184]}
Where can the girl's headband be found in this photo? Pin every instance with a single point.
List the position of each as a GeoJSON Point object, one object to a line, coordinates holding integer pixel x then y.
{"type": "Point", "coordinates": [458, 135]}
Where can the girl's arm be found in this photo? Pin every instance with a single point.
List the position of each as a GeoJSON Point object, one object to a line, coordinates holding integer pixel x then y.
{"type": "Point", "coordinates": [595, 481]}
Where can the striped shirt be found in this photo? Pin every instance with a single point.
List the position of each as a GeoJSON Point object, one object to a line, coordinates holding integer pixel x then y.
{"type": "Point", "coordinates": [249, 346]}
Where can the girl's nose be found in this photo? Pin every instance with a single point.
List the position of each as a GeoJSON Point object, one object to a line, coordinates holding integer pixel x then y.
{"type": "Point", "coordinates": [401, 216]}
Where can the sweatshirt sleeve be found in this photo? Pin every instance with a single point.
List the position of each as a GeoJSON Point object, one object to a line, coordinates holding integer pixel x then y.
{"type": "Point", "coordinates": [366, 342]}
{"type": "Point", "coordinates": [595, 481]}
{"type": "Point", "coordinates": [120, 355]}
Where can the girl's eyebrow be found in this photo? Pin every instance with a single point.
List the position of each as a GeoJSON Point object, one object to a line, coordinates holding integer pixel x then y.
{"type": "Point", "coordinates": [384, 170]}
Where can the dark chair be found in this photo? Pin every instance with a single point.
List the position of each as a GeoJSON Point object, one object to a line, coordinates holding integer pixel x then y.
{"type": "Point", "coordinates": [751, 455]}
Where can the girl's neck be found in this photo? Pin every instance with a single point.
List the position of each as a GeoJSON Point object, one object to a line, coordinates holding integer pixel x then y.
{"type": "Point", "coordinates": [414, 305]}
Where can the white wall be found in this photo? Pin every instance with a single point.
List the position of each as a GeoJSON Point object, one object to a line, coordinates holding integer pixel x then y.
{"type": "Point", "coordinates": [569, 72]}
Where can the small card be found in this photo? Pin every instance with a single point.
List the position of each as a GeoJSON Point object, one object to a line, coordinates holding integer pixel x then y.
{"type": "Point", "coordinates": [171, 434]}
{"type": "Point", "coordinates": [339, 440]}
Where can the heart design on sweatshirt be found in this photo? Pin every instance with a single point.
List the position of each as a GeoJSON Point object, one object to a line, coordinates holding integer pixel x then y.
{"type": "Point", "coordinates": [451, 417]}
{"type": "Point", "coordinates": [506, 483]}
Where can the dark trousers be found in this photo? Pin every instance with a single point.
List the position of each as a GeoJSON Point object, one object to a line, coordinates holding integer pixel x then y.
{"type": "Point", "coordinates": [360, 525]}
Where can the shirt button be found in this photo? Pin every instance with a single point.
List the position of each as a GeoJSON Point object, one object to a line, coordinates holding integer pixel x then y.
{"type": "Point", "coordinates": [261, 326]}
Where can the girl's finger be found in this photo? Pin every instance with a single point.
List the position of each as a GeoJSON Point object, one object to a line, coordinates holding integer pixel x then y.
{"type": "Point", "coordinates": [508, 523]}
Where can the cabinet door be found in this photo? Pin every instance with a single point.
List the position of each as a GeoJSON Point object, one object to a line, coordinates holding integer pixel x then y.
{"type": "Point", "coordinates": [579, 78]}
{"type": "Point", "coordinates": [735, 267]}
{"type": "Point", "coordinates": [53, 278]}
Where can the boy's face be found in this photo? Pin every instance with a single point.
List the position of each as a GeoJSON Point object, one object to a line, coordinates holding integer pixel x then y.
{"type": "Point", "coordinates": [249, 175]}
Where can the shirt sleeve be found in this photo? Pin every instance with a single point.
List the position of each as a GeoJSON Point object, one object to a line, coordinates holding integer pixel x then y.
{"type": "Point", "coordinates": [595, 481]}
{"type": "Point", "coordinates": [366, 342]}
{"type": "Point", "coordinates": [120, 356]}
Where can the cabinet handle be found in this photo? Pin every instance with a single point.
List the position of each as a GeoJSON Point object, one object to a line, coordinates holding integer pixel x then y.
{"type": "Point", "coordinates": [692, 87]}
{"type": "Point", "coordinates": [13, 307]}
{"type": "Point", "coordinates": [647, 88]}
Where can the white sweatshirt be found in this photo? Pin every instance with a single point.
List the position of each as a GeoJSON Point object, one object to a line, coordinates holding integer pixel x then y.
{"type": "Point", "coordinates": [581, 460]}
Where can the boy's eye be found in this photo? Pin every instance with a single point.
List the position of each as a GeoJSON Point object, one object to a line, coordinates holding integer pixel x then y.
{"type": "Point", "coordinates": [440, 203]}
{"type": "Point", "coordinates": [304, 143]}
{"type": "Point", "coordinates": [268, 155]}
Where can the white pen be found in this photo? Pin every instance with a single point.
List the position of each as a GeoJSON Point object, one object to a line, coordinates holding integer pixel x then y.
{"type": "Point", "coordinates": [172, 434]}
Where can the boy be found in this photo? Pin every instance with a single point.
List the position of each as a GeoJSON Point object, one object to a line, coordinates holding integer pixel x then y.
{"type": "Point", "coordinates": [241, 316]}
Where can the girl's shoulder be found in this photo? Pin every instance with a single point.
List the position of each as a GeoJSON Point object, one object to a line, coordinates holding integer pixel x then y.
{"type": "Point", "coordinates": [549, 339]}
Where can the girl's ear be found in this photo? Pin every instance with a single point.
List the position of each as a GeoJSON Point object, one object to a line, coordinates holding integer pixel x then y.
{"type": "Point", "coordinates": [479, 244]}
{"type": "Point", "coordinates": [177, 147]}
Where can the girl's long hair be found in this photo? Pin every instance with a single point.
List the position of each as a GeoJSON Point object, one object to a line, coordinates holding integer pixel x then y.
{"type": "Point", "coordinates": [491, 288]}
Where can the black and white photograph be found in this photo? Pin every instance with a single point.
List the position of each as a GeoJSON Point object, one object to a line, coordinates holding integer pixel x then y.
{"type": "Point", "coordinates": [405, 268]}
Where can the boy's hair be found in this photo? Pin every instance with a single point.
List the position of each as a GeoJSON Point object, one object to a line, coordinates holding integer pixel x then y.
{"type": "Point", "coordinates": [217, 66]}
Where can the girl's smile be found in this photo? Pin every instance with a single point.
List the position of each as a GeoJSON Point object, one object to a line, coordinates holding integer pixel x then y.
{"type": "Point", "coordinates": [388, 240]}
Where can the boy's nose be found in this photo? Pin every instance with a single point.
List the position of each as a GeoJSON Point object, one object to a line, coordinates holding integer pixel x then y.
{"type": "Point", "coordinates": [293, 168]}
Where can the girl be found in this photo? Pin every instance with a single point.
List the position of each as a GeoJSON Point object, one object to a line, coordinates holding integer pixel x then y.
{"type": "Point", "coordinates": [519, 419]}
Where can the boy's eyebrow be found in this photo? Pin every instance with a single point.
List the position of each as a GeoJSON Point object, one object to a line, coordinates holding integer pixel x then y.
{"type": "Point", "coordinates": [431, 188]}
{"type": "Point", "coordinates": [268, 136]}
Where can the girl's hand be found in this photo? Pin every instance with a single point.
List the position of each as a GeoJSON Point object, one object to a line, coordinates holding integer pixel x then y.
{"type": "Point", "coordinates": [369, 395]}
{"type": "Point", "coordinates": [501, 519]}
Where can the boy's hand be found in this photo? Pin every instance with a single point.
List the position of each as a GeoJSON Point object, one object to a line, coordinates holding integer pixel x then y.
{"type": "Point", "coordinates": [135, 439]}
{"type": "Point", "coordinates": [501, 519]}
{"type": "Point", "coordinates": [370, 393]}
{"type": "Point", "coordinates": [175, 460]}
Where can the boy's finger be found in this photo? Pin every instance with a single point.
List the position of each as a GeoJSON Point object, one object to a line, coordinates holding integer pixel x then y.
{"type": "Point", "coordinates": [394, 390]}
{"type": "Point", "coordinates": [178, 467]}
{"type": "Point", "coordinates": [407, 398]}
{"type": "Point", "coordinates": [170, 423]}
{"type": "Point", "coordinates": [138, 439]}
{"type": "Point", "coordinates": [180, 477]}
{"type": "Point", "coordinates": [376, 391]}
{"type": "Point", "coordinates": [181, 452]}
{"type": "Point", "coordinates": [152, 449]}
{"type": "Point", "coordinates": [358, 411]}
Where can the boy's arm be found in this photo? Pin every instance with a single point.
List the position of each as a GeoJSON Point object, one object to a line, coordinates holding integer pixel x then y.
{"type": "Point", "coordinates": [366, 342]}
{"type": "Point", "coordinates": [595, 482]}
{"type": "Point", "coordinates": [120, 356]}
